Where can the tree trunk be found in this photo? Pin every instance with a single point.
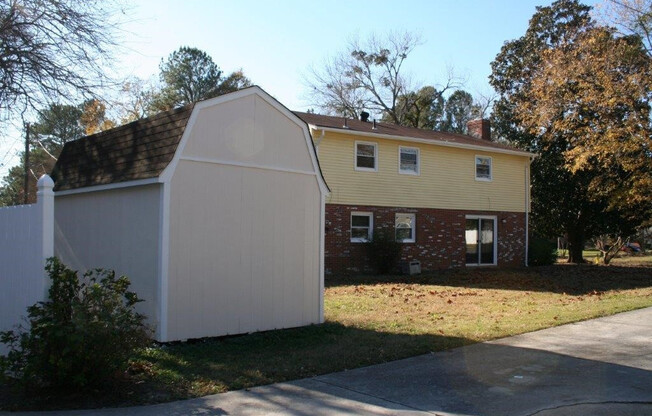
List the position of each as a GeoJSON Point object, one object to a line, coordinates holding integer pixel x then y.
{"type": "Point", "coordinates": [575, 247]}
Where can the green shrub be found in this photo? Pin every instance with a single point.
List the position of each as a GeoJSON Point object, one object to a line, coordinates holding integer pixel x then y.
{"type": "Point", "coordinates": [81, 337]}
{"type": "Point", "coordinates": [383, 251]}
{"type": "Point", "coordinates": [541, 252]}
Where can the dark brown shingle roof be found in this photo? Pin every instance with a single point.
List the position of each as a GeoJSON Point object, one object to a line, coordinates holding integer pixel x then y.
{"type": "Point", "coordinates": [138, 150]}
{"type": "Point", "coordinates": [354, 125]}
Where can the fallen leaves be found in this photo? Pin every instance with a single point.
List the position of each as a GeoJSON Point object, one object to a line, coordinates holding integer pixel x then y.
{"type": "Point", "coordinates": [480, 303]}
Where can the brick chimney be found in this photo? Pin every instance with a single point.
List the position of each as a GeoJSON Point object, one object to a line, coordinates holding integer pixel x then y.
{"type": "Point", "coordinates": [480, 128]}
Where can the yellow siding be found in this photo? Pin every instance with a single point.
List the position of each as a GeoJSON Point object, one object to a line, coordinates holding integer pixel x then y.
{"type": "Point", "coordinates": [447, 178]}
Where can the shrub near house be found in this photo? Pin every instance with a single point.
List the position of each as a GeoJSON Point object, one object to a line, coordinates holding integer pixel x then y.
{"type": "Point", "coordinates": [81, 337]}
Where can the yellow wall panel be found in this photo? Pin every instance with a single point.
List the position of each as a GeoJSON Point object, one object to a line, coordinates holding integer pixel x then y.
{"type": "Point", "coordinates": [446, 180]}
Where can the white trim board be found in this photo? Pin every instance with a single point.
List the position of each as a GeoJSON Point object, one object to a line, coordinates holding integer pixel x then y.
{"type": "Point", "coordinates": [163, 261]}
{"type": "Point", "coordinates": [107, 187]}
{"type": "Point", "coordinates": [245, 165]}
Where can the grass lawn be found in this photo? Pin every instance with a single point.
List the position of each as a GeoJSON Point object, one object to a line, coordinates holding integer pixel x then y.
{"type": "Point", "coordinates": [372, 320]}
{"type": "Point", "coordinates": [588, 255]}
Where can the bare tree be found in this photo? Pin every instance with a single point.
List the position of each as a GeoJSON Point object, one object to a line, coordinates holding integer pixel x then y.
{"type": "Point", "coordinates": [134, 100]}
{"type": "Point", "coordinates": [333, 92]}
{"type": "Point", "coordinates": [53, 49]}
{"type": "Point", "coordinates": [629, 17]}
{"type": "Point", "coordinates": [483, 102]}
{"type": "Point", "coordinates": [369, 76]}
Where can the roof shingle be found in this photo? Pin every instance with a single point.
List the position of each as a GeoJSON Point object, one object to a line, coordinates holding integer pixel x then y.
{"type": "Point", "coordinates": [138, 150]}
{"type": "Point", "coordinates": [354, 125]}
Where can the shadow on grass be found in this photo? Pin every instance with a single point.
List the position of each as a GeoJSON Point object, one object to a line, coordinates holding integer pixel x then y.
{"type": "Point", "coordinates": [561, 278]}
{"type": "Point", "coordinates": [214, 365]}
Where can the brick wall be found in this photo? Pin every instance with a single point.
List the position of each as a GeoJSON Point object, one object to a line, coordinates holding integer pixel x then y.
{"type": "Point", "coordinates": [439, 242]}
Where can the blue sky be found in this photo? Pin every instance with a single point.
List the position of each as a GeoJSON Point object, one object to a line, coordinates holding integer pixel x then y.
{"type": "Point", "coordinates": [275, 42]}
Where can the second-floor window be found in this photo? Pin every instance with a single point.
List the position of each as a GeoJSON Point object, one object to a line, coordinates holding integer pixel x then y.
{"type": "Point", "coordinates": [408, 162]}
{"type": "Point", "coordinates": [366, 156]}
{"type": "Point", "coordinates": [483, 168]}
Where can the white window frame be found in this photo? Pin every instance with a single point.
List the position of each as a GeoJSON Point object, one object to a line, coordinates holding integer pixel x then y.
{"type": "Point", "coordinates": [355, 157]}
{"type": "Point", "coordinates": [370, 233]}
{"type": "Point", "coordinates": [491, 168]}
{"type": "Point", "coordinates": [495, 220]}
{"type": "Point", "coordinates": [414, 226]}
{"type": "Point", "coordinates": [409, 172]}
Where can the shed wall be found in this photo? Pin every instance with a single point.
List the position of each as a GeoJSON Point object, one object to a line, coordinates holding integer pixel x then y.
{"type": "Point", "coordinates": [116, 229]}
{"type": "Point", "coordinates": [245, 209]}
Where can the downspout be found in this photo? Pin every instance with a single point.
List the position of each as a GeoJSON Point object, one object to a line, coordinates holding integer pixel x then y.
{"type": "Point", "coordinates": [318, 141]}
{"type": "Point", "coordinates": [322, 253]}
{"type": "Point", "coordinates": [527, 209]}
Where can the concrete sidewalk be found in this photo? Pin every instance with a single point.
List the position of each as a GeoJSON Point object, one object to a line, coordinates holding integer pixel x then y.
{"type": "Point", "coordinates": [597, 367]}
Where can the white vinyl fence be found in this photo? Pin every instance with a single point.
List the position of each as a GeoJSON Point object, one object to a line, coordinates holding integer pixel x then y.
{"type": "Point", "coordinates": [26, 241]}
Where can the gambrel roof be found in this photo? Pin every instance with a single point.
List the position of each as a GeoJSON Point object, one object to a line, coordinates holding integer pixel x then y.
{"type": "Point", "coordinates": [140, 151]}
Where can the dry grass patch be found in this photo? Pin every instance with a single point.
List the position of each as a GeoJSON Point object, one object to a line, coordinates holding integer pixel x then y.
{"type": "Point", "coordinates": [480, 305]}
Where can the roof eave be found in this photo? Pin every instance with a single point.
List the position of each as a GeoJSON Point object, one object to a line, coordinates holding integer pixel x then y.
{"type": "Point", "coordinates": [424, 141]}
{"type": "Point", "coordinates": [108, 186]}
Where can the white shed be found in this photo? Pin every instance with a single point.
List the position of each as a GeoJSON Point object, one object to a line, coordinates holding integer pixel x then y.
{"type": "Point", "coordinates": [215, 211]}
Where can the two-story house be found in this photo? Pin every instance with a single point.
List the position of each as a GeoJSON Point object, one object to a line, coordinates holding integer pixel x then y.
{"type": "Point", "coordinates": [453, 200]}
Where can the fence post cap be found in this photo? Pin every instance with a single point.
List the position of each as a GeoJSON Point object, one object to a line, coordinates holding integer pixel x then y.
{"type": "Point", "coordinates": [45, 181]}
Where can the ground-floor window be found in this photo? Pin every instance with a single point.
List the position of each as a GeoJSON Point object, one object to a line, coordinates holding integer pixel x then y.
{"type": "Point", "coordinates": [480, 240]}
{"type": "Point", "coordinates": [405, 228]}
{"type": "Point", "coordinates": [362, 225]}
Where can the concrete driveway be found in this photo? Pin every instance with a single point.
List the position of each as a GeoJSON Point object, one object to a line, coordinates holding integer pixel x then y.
{"type": "Point", "coordinates": [598, 367]}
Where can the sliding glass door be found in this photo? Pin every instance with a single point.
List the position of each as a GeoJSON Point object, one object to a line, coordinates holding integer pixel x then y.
{"type": "Point", "coordinates": [480, 240]}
